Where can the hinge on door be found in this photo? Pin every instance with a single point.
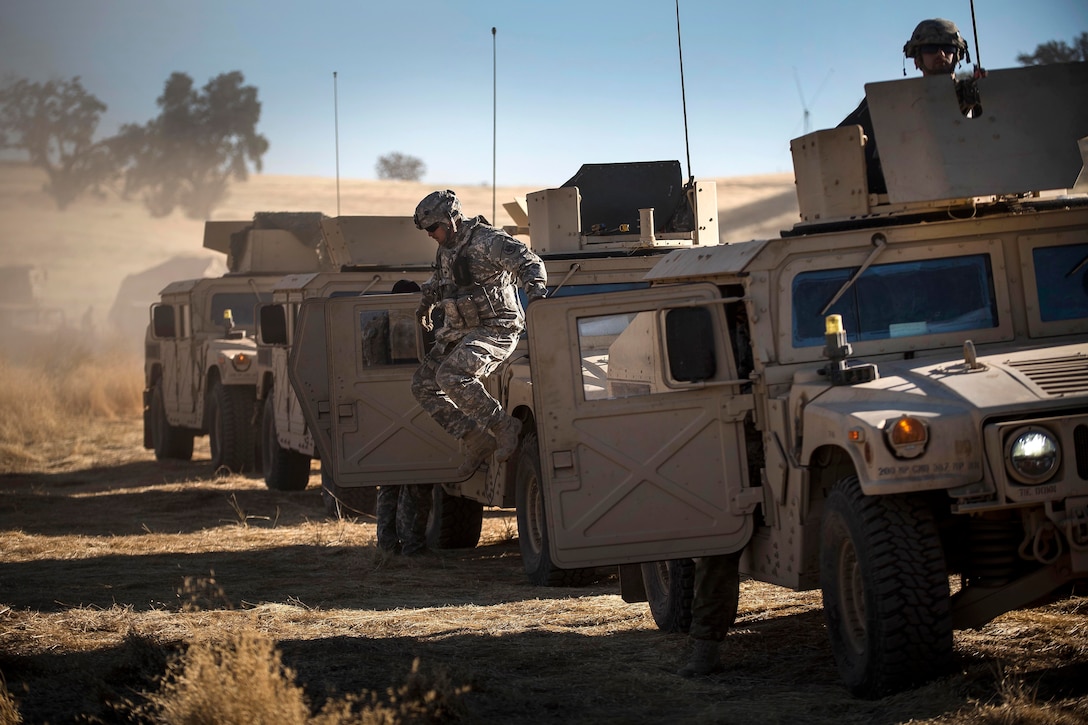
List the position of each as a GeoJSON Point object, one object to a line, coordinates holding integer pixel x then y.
{"type": "Point", "coordinates": [747, 499]}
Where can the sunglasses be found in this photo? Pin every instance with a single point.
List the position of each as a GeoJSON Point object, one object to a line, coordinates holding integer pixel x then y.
{"type": "Point", "coordinates": [430, 229]}
{"type": "Point", "coordinates": [939, 48]}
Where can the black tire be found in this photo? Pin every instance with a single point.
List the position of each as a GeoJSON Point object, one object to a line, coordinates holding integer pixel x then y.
{"type": "Point", "coordinates": [885, 590]}
{"type": "Point", "coordinates": [230, 427]}
{"type": "Point", "coordinates": [454, 522]}
{"type": "Point", "coordinates": [533, 525]}
{"type": "Point", "coordinates": [169, 442]}
{"type": "Point", "coordinates": [343, 502]}
{"type": "Point", "coordinates": [284, 469]}
{"type": "Point", "coordinates": [670, 587]}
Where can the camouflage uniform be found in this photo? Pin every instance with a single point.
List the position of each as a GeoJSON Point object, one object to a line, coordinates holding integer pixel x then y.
{"type": "Point", "coordinates": [402, 513]}
{"type": "Point", "coordinates": [474, 286]}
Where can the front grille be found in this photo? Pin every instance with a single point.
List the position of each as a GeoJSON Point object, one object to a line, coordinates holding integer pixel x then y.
{"type": "Point", "coordinates": [1057, 376]}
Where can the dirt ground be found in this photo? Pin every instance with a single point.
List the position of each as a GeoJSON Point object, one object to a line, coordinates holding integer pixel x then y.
{"type": "Point", "coordinates": [113, 563]}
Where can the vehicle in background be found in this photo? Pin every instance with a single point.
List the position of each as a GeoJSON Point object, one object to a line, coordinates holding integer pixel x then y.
{"type": "Point", "coordinates": [199, 350]}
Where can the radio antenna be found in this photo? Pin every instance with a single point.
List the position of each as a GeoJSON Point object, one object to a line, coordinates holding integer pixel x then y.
{"type": "Point", "coordinates": [494, 122]}
{"type": "Point", "coordinates": [683, 94]}
{"type": "Point", "coordinates": [336, 134]}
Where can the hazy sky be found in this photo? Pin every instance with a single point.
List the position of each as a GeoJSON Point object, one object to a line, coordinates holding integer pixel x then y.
{"type": "Point", "coordinates": [576, 81]}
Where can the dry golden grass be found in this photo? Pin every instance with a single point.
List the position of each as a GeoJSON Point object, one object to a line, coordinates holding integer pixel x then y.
{"type": "Point", "coordinates": [52, 385]}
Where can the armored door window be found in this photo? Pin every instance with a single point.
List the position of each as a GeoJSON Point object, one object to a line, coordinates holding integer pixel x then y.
{"type": "Point", "coordinates": [644, 353]}
{"type": "Point", "coordinates": [387, 337]}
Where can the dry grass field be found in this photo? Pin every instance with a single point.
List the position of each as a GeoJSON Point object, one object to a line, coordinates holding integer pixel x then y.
{"type": "Point", "coordinates": [138, 591]}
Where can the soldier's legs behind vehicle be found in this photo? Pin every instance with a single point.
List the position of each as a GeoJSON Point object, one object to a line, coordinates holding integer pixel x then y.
{"type": "Point", "coordinates": [386, 513]}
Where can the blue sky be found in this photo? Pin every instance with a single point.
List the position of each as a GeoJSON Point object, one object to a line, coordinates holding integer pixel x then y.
{"type": "Point", "coordinates": [568, 82]}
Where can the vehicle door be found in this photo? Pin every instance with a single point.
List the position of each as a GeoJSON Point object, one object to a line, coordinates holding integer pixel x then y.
{"type": "Point", "coordinates": [640, 419]}
{"type": "Point", "coordinates": [351, 367]}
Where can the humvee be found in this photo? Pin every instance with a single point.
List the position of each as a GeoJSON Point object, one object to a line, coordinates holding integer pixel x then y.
{"type": "Point", "coordinates": [199, 351]}
{"type": "Point", "coordinates": [370, 255]}
{"type": "Point", "coordinates": [889, 402]}
{"type": "Point", "coordinates": [603, 229]}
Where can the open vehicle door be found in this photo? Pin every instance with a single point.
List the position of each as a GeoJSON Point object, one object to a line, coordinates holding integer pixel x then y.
{"type": "Point", "coordinates": [640, 425]}
{"type": "Point", "coordinates": [351, 367]}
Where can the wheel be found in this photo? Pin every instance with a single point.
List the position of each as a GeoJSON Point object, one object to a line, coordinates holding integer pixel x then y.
{"type": "Point", "coordinates": [343, 502]}
{"type": "Point", "coordinates": [533, 525]}
{"type": "Point", "coordinates": [885, 590]}
{"type": "Point", "coordinates": [169, 442]}
{"type": "Point", "coordinates": [284, 469]}
{"type": "Point", "coordinates": [230, 426]}
{"type": "Point", "coordinates": [669, 589]}
{"type": "Point", "coordinates": [455, 522]}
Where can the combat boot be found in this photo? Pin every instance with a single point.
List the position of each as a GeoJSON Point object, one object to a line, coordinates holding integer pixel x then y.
{"type": "Point", "coordinates": [703, 660]}
{"type": "Point", "coordinates": [506, 435]}
{"type": "Point", "coordinates": [478, 445]}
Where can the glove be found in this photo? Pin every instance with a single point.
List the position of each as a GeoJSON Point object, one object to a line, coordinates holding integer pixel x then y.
{"type": "Point", "coordinates": [423, 314]}
{"type": "Point", "coordinates": [536, 292]}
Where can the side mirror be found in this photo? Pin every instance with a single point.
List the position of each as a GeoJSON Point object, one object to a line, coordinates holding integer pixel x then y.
{"type": "Point", "coordinates": [689, 339]}
{"type": "Point", "coordinates": [162, 321]}
{"type": "Point", "coordinates": [272, 327]}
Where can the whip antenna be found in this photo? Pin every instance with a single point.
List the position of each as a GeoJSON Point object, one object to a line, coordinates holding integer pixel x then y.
{"type": "Point", "coordinates": [494, 123]}
{"type": "Point", "coordinates": [974, 31]}
{"type": "Point", "coordinates": [683, 95]}
{"type": "Point", "coordinates": [336, 134]}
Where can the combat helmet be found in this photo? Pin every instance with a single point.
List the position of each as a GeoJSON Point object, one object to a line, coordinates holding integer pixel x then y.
{"type": "Point", "coordinates": [936, 31]}
{"type": "Point", "coordinates": [438, 206]}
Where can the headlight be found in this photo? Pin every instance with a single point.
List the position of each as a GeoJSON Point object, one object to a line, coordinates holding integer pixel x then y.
{"type": "Point", "coordinates": [1032, 455]}
{"type": "Point", "coordinates": [907, 436]}
{"type": "Point", "coordinates": [241, 362]}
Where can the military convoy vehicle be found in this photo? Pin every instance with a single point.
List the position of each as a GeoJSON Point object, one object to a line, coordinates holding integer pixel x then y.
{"type": "Point", "coordinates": [602, 230]}
{"type": "Point", "coordinates": [200, 352]}
{"type": "Point", "coordinates": [370, 255]}
{"type": "Point", "coordinates": [889, 402]}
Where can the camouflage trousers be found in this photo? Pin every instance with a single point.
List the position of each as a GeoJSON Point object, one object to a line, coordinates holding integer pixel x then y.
{"type": "Point", "coordinates": [449, 383]}
{"type": "Point", "coordinates": [714, 604]}
{"type": "Point", "coordinates": [402, 513]}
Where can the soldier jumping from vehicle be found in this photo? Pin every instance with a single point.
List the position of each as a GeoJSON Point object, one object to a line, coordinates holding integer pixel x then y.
{"type": "Point", "coordinates": [477, 267]}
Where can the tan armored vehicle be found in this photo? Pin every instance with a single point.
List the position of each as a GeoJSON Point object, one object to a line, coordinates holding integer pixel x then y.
{"type": "Point", "coordinates": [200, 352]}
{"type": "Point", "coordinates": [889, 402]}
{"type": "Point", "coordinates": [602, 230]}
{"type": "Point", "coordinates": [370, 255]}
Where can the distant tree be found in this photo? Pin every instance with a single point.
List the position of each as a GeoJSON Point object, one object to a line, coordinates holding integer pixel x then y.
{"type": "Point", "coordinates": [186, 157]}
{"type": "Point", "coordinates": [1056, 51]}
{"type": "Point", "coordinates": [400, 167]}
{"type": "Point", "coordinates": [54, 123]}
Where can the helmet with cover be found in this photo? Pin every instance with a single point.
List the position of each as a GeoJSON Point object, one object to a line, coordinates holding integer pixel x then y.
{"type": "Point", "coordinates": [936, 31]}
{"type": "Point", "coordinates": [437, 207]}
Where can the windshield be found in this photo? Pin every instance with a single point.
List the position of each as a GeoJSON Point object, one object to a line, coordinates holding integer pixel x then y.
{"type": "Point", "coordinates": [1061, 276]}
{"type": "Point", "coordinates": [240, 304]}
{"type": "Point", "coordinates": [903, 299]}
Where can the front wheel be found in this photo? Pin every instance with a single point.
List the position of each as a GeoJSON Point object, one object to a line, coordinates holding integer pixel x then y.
{"type": "Point", "coordinates": [885, 590]}
{"type": "Point", "coordinates": [454, 522]}
{"type": "Point", "coordinates": [533, 525]}
{"type": "Point", "coordinates": [284, 469]}
{"type": "Point", "coordinates": [230, 426]}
